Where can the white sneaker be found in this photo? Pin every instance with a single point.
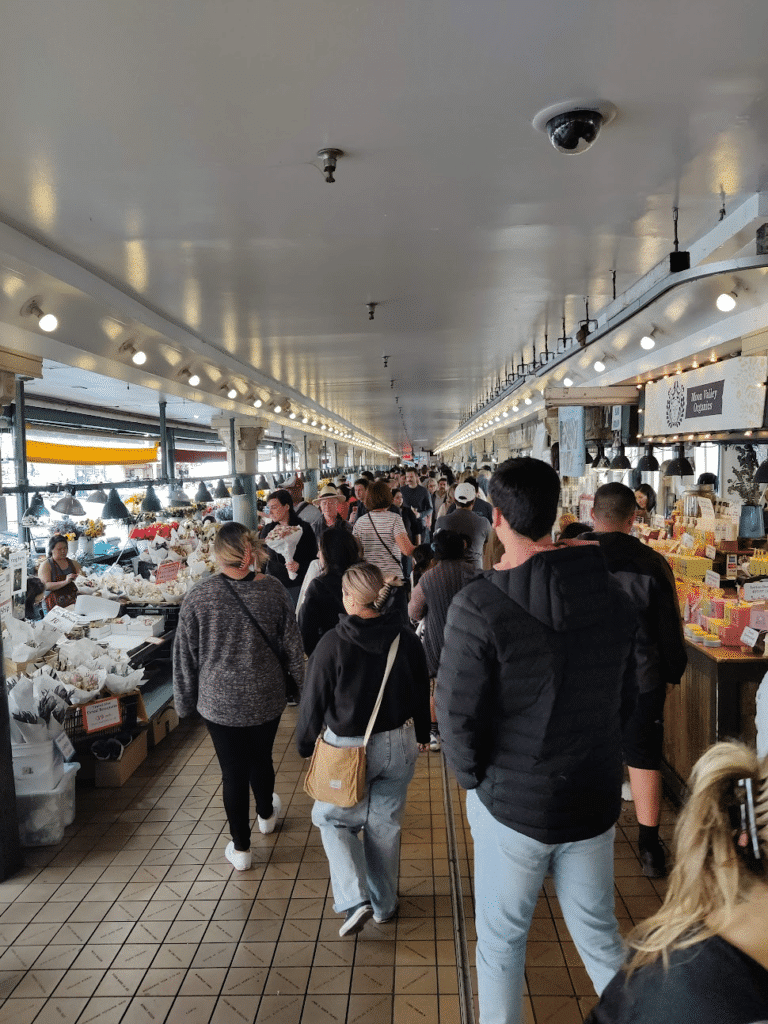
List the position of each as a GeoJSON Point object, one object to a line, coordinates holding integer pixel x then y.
{"type": "Point", "coordinates": [434, 741]}
{"type": "Point", "coordinates": [267, 825]}
{"type": "Point", "coordinates": [239, 859]}
{"type": "Point", "coordinates": [626, 792]}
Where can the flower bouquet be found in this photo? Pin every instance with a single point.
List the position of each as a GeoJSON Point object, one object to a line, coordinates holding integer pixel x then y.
{"type": "Point", "coordinates": [284, 540]}
{"type": "Point", "coordinates": [94, 528]}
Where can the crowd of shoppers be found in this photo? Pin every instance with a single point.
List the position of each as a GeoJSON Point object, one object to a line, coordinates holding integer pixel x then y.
{"type": "Point", "coordinates": [547, 672]}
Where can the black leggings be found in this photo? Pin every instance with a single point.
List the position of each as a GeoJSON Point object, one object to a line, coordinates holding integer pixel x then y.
{"type": "Point", "coordinates": [245, 759]}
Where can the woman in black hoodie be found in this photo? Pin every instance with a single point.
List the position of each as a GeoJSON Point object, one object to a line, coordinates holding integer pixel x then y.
{"type": "Point", "coordinates": [322, 604]}
{"type": "Point", "coordinates": [341, 685]}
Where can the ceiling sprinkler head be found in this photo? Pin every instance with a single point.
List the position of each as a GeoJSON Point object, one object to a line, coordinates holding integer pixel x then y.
{"type": "Point", "coordinates": [371, 309]}
{"type": "Point", "coordinates": [329, 157]}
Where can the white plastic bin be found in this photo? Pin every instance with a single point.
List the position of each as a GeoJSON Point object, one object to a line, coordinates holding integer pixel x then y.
{"type": "Point", "coordinates": [44, 816]}
{"type": "Point", "coordinates": [37, 767]}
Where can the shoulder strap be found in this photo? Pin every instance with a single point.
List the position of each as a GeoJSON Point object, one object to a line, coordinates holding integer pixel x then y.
{"type": "Point", "coordinates": [390, 662]}
{"type": "Point", "coordinates": [255, 621]}
{"type": "Point", "coordinates": [384, 545]}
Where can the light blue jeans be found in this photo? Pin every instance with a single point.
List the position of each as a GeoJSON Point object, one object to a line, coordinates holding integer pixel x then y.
{"type": "Point", "coordinates": [509, 872]}
{"type": "Point", "coordinates": [368, 869]}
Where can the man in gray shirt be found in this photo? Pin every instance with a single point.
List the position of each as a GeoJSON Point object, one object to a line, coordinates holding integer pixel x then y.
{"type": "Point", "coordinates": [464, 520]}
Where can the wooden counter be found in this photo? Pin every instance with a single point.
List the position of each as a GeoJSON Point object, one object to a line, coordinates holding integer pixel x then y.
{"type": "Point", "coordinates": [714, 701]}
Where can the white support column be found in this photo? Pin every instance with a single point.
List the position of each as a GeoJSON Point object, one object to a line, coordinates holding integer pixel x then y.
{"type": "Point", "coordinates": [248, 432]}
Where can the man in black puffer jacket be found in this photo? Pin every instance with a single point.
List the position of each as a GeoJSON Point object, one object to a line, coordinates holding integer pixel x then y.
{"type": "Point", "coordinates": [535, 681]}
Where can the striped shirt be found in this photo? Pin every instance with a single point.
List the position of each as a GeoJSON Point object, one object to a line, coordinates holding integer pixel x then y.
{"type": "Point", "coordinates": [384, 553]}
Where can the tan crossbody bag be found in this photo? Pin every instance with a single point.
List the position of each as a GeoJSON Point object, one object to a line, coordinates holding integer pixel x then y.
{"type": "Point", "coordinates": [336, 775]}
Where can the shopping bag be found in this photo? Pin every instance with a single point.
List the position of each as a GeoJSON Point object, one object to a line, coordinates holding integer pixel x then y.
{"type": "Point", "coordinates": [336, 775]}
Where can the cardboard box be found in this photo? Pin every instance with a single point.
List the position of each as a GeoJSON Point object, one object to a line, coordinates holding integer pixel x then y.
{"type": "Point", "coordinates": [17, 668]}
{"type": "Point", "coordinates": [113, 774]}
{"type": "Point", "coordinates": [162, 725]}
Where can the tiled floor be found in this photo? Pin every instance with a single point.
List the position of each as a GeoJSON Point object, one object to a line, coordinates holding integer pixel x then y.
{"type": "Point", "coordinates": [138, 918]}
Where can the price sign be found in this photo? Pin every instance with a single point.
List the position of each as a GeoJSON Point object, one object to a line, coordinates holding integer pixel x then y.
{"type": "Point", "coordinates": [712, 579]}
{"type": "Point", "coordinates": [101, 714]}
{"type": "Point", "coordinates": [64, 744]}
{"type": "Point", "coordinates": [167, 571]}
{"type": "Point", "coordinates": [687, 541]}
{"type": "Point", "coordinates": [749, 636]}
{"type": "Point", "coordinates": [710, 552]}
{"type": "Point", "coordinates": [756, 591]}
{"type": "Point", "coordinates": [706, 509]}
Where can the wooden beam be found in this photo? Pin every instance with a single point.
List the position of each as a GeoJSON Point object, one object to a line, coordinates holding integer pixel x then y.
{"type": "Point", "coordinates": [20, 363]}
{"type": "Point", "coordinates": [621, 394]}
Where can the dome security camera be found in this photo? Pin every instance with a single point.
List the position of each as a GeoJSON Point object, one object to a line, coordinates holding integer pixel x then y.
{"type": "Point", "coordinates": [574, 131]}
{"type": "Point", "coordinates": [574, 125]}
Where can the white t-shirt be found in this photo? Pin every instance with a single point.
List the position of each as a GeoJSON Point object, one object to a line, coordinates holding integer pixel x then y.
{"type": "Point", "coordinates": [385, 555]}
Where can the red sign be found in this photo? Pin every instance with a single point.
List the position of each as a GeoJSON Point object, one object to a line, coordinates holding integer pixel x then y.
{"type": "Point", "coordinates": [167, 571]}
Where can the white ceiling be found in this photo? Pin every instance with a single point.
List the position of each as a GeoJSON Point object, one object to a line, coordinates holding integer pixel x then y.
{"type": "Point", "coordinates": [158, 181]}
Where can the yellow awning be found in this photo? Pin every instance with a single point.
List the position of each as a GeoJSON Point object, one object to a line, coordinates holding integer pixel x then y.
{"type": "Point", "coordinates": [80, 455]}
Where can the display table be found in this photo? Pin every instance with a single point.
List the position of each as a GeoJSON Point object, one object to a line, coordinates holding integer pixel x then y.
{"type": "Point", "coordinates": [715, 701]}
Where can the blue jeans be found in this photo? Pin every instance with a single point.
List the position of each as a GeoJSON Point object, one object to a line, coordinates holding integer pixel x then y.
{"type": "Point", "coordinates": [368, 869]}
{"type": "Point", "coordinates": [509, 872]}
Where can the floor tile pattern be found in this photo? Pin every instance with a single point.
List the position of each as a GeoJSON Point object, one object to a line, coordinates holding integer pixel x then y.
{"type": "Point", "coordinates": [137, 918]}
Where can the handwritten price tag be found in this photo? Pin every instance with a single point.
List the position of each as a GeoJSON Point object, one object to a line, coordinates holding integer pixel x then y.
{"type": "Point", "coordinates": [687, 541]}
{"type": "Point", "coordinates": [712, 579]}
{"type": "Point", "coordinates": [167, 571]}
{"type": "Point", "coordinates": [710, 551]}
{"type": "Point", "coordinates": [749, 636]}
{"type": "Point", "coordinates": [757, 591]}
{"type": "Point", "coordinates": [101, 714]}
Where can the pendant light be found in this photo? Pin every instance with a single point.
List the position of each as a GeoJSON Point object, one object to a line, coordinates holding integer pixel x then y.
{"type": "Point", "coordinates": [151, 502]}
{"type": "Point", "coordinates": [587, 457]}
{"type": "Point", "coordinates": [620, 460]}
{"type": "Point", "coordinates": [679, 466]}
{"type": "Point", "coordinates": [202, 493]}
{"type": "Point", "coordinates": [178, 498]}
{"type": "Point", "coordinates": [114, 508]}
{"type": "Point", "coordinates": [601, 462]}
{"type": "Point", "coordinates": [237, 488]}
{"type": "Point", "coordinates": [36, 508]}
{"type": "Point", "coordinates": [221, 490]}
{"type": "Point", "coordinates": [68, 505]}
{"type": "Point", "coordinates": [99, 496]}
{"type": "Point", "coordinates": [263, 484]}
{"type": "Point", "coordinates": [648, 462]}
{"type": "Point", "coordinates": [761, 473]}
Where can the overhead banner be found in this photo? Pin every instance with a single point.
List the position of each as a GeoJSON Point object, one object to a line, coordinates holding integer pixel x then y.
{"type": "Point", "coordinates": [719, 396]}
{"type": "Point", "coordinates": [571, 436]}
{"type": "Point", "coordinates": [77, 455]}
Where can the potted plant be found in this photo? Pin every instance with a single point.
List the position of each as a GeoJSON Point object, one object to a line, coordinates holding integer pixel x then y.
{"type": "Point", "coordinates": [743, 483]}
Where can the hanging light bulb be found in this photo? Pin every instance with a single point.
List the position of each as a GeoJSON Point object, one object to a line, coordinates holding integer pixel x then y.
{"type": "Point", "coordinates": [599, 365]}
{"type": "Point", "coordinates": [257, 403]}
{"type": "Point", "coordinates": [36, 508]}
{"type": "Point", "coordinates": [151, 502]}
{"type": "Point", "coordinates": [138, 356]}
{"type": "Point", "coordinates": [567, 382]}
{"type": "Point", "coordinates": [232, 393]}
{"type": "Point", "coordinates": [726, 301]}
{"type": "Point", "coordinates": [647, 342]}
{"type": "Point", "coordinates": [528, 400]}
{"type": "Point", "coordinates": [46, 321]}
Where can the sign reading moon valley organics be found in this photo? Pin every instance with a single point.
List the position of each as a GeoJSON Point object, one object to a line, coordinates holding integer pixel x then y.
{"type": "Point", "coordinates": [729, 395]}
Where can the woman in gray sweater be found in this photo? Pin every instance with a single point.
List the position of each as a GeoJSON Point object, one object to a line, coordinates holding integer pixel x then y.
{"type": "Point", "coordinates": [231, 629]}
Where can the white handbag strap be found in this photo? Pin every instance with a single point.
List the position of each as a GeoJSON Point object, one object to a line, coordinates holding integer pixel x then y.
{"type": "Point", "coordinates": [390, 662]}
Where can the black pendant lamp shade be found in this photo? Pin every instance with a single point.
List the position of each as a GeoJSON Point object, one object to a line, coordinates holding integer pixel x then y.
{"type": "Point", "coordinates": [679, 466]}
{"type": "Point", "coordinates": [620, 461]}
{"type": "Point", "coordinates": [151, 502]}
{"type": "Point", "coordinates": [601, 462]}
{"type": "Point", "coordinates": [202, 493]}
{"type": "Point", "coordinates": [114, 508]}
{"type": "Point", "coordinates": [262, 484]}
{"type": "Point", "coordinates": [98, 496]}
{"type": "Point", "coordinates": [36, 507]}
{"type": "Point", "coordinates": [237, 487]}
{"type": "Point", "coordinates": [761, 473]}
{"type": "Point", "coordinates": [648, 462]}
{"type": "Point", "coordinates": [587, 457]}
{"type": "Point", "coordinates": [221, 490]}
{"type": "Point", "coordinates": [68, 505]}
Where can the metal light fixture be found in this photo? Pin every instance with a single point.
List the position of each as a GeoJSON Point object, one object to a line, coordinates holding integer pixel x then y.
{"type": "Point", "coordinates": [192, 379]}
{"type": "Point", "coordinates": [648, 341]}
{"type": "Point", "coordinates": [46, 321]}
{"type": "Point", "coordinates": [114, 508]}
{"type": "Point", "coordinates": [620, 460]}
{"type": "Point", "coordinates": [262, 483]}
{"type": "Point", "coordinates": [761, 473]}
{"type": "Point", "coordinates": [36, 508]}
{"type": "Point", "coordinates": [329, 156]}
{"type": "Point", "coordinates": [177, 497]}
{"type": "Point", "coordinates": [202, 493]}
{"type": "Point", "coordinates": [151, 502]}
{"type": "Point", "coordinates": [601, 462]}
{"type": "Point", "coordinates": [237, 488]}
{"type": "Point", "coordinates": [221, 490]}
{"type": "Point", "coordinates": [99, 495]}
{"type": "Point", "coordinates": [138, 356]}
{"type": "Point", "coordinates": [587, 457]}
{"type": "Point", "coordinates": [679, 466]}
{"type": "Point", "coordinates": [68, 505]}
{"type": "Point", "coordinates": [648, 462]}
{"type": "Point", "coordinates": [726, 301]}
